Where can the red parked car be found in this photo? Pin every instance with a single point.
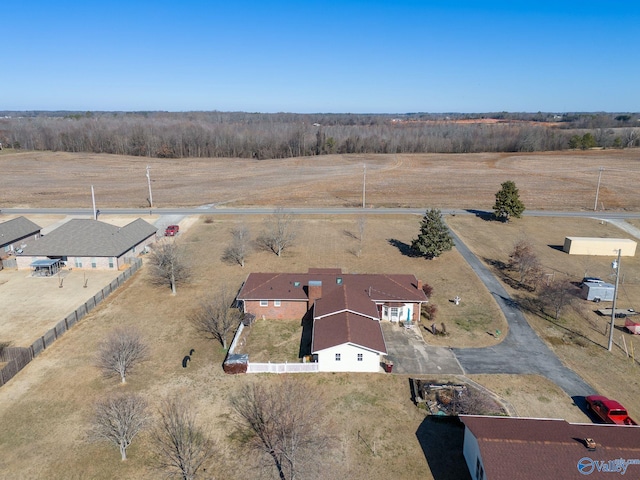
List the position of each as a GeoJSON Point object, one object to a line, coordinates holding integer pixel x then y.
{"type": "Point", "coordinates": [172, 230]}
{"type": "Point", "coordinates": [609, 411]}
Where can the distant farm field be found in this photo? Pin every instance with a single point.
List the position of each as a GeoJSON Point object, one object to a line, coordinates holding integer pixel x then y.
{"type": "Point", "coordinates": [552, 181]}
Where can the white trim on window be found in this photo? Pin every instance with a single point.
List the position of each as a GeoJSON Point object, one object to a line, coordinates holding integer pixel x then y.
{"type": "Point", "coordinates": [360, 357]}
{"type": "Point", "coordinates": [277, 303]}
{"type": "Point", "coordinates": [337, 357]}
{"type": "Point", "coordinates": [264, 303]}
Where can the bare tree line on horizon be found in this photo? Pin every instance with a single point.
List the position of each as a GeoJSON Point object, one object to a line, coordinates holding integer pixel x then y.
{"type": "Point", "coordinates": [271, 136]}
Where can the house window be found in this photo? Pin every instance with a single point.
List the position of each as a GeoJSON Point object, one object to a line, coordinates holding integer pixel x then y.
{"type": "Point", "coordinates": [7, 248]}
{"type": "Point", "coordinates": [93, 263]}
{"type": "Point", "coordinates": [264, 303]}
{"type": "Point", "coordinates": [394, 312]}
{"type": "Point", "coordinates": [359, 357]}
{"type": "Point", "coordinates": [78, 262]}
{"type": "Point", "coordinates": [479, 470]}
{"type": "Point", "coordinates": [110, 262]}
{"type": "Point", "coordinates": [276, 303]}
{"type": "Point", "coordinates": [337, 357]}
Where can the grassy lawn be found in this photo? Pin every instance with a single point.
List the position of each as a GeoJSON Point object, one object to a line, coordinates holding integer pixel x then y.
{"type": "Point", "coordinates": [275, 341]}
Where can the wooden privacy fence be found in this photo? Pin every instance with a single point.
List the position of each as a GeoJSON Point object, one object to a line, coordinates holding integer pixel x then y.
{"type": "Point", "coordinates": [15, 358]}
{"type": "Point", "coordinates": [17, 361]}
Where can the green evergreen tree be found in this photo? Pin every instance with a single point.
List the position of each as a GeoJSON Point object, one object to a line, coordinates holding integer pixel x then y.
{"type": "Point", "coordinates": [434, 237]}
{"type": "Point", "coordinates": [508, 202]}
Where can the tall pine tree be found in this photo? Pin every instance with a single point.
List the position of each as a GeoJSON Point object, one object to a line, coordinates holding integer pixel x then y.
{"type": "Point", "coordinates": [434, 237]}
{"type": "Point", "coordinates": [508, 202]}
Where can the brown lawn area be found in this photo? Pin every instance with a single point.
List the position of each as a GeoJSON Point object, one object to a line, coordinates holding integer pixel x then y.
{"type": "Point", "coordinates": [45, 410]}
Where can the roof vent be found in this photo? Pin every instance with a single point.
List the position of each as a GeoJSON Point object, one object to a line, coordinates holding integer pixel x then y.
{"type": "Point", "coordinates": [590, 443]}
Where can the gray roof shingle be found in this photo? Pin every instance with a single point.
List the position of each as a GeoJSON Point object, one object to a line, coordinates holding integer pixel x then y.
{"type": "Point", "coordinates": [90, 238]}
{"type": "Point", "coordinates": [16, 229]}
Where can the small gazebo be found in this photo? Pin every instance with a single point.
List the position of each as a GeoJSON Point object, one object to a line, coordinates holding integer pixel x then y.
{"type": "Point", "coordinates": [45, 267]}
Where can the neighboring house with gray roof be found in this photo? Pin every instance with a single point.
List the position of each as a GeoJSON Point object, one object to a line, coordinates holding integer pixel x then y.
{"type": "Point", "coordinates": [90, 244]}
{"type": "Point", "coordinates": [17, 232]}
{"type": "Point", "coordinates": [346, 310]}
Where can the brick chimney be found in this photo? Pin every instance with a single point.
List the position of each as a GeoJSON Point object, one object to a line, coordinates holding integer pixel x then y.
{"type": "Point", "coordinates": [315, 291]}
{"type": "Point", "coordinates": [419, 287]}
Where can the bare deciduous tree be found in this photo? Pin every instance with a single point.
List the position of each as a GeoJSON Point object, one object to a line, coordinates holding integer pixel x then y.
{"type": "Point", "coordinates": [216, 317]}
{"type": "Point", "coordinates": [284, 423]}
{"type": "Point", "coordinates": [120, 352]}
{"type": "Point", "coordinates": [279, 233]}
{"type": "Point", "coordinates": [525, 262]}
{"type": "Point", "coordinates": [168, 264]}
{"type": "Point", "coordinates": [182, 448]}
{"type": "Point", "coordinates": [238, 250]}
{"type": "Point", "coordinates": [119, 419]}
{"type": "Point", "coordinates": [557, 296]}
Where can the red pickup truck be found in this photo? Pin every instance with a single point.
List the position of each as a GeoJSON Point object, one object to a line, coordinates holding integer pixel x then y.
{"type": "Point", "coordinates": [172, 230]}
{"type": "Point", "coordinates": [609, 411]}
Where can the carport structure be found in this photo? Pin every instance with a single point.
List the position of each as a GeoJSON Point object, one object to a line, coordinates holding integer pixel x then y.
{"type": "Point", "coordinates": [45, 267]}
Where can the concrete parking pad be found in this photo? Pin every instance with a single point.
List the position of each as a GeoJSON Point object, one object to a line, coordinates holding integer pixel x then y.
{"type": "Point", "coordinates": [412, 356]}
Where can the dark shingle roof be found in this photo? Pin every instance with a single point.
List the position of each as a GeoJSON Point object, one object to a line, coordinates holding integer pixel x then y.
{"type": "Point", "coordinates": [293, 286]}
{"type": "Point", "coordinates": [16, 229]}
{"type": "Point", "coordinates": [91, 238]}
{"type": "Point", "coordinates": [528, 448]}
{"type": "Point", "coordinates": [347, 327]}
{"type": "Point", "coordinates": [345, 299]}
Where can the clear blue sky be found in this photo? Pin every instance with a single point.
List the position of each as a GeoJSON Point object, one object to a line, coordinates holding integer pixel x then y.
{"type": "Point", "coordinates": [358, 56]}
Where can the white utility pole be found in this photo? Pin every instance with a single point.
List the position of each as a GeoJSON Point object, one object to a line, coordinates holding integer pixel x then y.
{"type": "Point", "coordinates": [93, 199]}
{"type": "Point", "coordinates": [616, 267]}
{"type": "Point", "coordinates": [149, 182]}
{"type": "Point", "coordinates": [364, 185]}
{"type": "Point", "coordinates": [595, 205]}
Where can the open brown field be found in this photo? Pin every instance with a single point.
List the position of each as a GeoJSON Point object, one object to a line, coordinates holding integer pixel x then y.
{"type": "Point", "coordinates": [552, 181]}
{"type": "Point", "coordinates": [45, 409]}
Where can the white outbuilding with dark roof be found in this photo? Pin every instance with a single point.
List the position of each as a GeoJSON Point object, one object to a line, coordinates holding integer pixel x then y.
{"type": "Point", "coordinates": [90, 244]}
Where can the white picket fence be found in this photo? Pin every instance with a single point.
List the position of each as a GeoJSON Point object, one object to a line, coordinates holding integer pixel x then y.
{"type": "Point", "coordinates": [282, 367]}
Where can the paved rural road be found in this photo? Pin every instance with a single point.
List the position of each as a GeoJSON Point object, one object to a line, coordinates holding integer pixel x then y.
{"type": "Point", "coordinates": [522, 351]}
{"type": "Point", "coordinates": [213, 210]}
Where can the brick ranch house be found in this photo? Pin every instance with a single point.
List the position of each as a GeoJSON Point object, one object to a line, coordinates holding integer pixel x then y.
{"type": "Point", "coordinates": [90, 244]}
{"type": "Point", "coordinates": [507, 448]}
{"type": "Point", "coordinates": [346, 310]}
